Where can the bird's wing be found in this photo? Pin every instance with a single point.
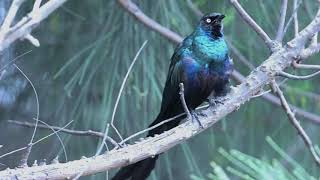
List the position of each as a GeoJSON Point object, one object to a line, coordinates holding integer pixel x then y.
{"type": "Point", "coordinates": [170, 95]}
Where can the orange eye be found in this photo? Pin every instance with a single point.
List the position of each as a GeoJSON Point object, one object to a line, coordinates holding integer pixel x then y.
{"type": "Point", "coordinates": [208, 20]}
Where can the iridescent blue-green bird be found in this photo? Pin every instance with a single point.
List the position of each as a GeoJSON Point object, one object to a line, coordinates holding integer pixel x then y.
{"type": "Point", "coordinates": [201, 62]}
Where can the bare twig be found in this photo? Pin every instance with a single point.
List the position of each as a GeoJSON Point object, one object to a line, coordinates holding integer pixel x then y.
{"type": "Point", "coordinates": [183, 101]}
{"type": "Point", "coordinates": [292, 18]}
{"type": "Point", "coordinates": [60, 140]}
{"type": "Point", "coordinates": [34, 143]}
{"type": "Point", "coordinates": [282, 20]}
{"type": "Point", "coordinates": [119, 95]}
{"type": "Point", "coordinates": [246, 17]}
{"type": "Point", "coordinates": [64, 130]}
{"type": "Point", "coordinates": [23, 28]}
{"type": "Point", "coordinates": [14, 60]}
{"type": "Point", "coordinates": [295, 77]}
{"type": "Point", "coordinates": [295, 17]}
{"type": "Point", "coordinates": [25, 156]}
{"type": "Point", "coordinates": [295, 122]}
{"type": "Point", "coordinates": [305, 66]}
{"type": "Point", "coordinates": [240, 56]}
{"type": "Point", "coordinates": [137, 13]}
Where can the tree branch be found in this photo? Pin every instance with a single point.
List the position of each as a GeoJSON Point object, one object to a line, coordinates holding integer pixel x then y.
{"type": "Point", "coordinates": [24, 27]}
{"type": "Point", "coordinates": [295, 122]}
{"type": "Point", "coordinates": [282, 20]}
{"type": "Point", "coordinates": [64, 130]}
{"type": "Point", "coordinates": [137, 13]}
{"type": "Point", "coordinates": [246, 17]}
{"type": "Point", "coordinates": [295, 77]}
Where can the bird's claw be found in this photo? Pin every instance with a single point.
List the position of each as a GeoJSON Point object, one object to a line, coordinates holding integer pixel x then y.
{"type": "Point", "coordinates": [194, 117]}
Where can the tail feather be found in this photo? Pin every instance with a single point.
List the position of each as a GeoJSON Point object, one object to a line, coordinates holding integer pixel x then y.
{"type": "Point", "coordinates": [137, 171]}
{"type": "Point", "coordinates": [142, 169]}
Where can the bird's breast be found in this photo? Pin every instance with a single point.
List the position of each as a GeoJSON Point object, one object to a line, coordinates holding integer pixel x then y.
{"type": "Point", "coordinates": [199, 78]}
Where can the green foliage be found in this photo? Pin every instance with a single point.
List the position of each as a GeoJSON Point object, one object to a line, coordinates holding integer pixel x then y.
{"type": "Point", "coordinates": [248, 167]}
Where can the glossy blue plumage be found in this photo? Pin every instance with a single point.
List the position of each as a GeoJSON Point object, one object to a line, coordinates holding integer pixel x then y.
{"type": "Point", "coordinates": [202, 64]}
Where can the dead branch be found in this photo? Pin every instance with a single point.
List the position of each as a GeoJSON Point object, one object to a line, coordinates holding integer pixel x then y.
{"type": "Point", "coordinates": [282, 20]}
{"type": "Point", "coordinates": [64, 130]}
{"type": "Point", "coordinates": [22, 29]}
{"type": "Point", "coordinates": [295, 77]}
{"type": "Point", "coordinates": [295, 122]}
{"type": "Point", "coordinates": [246, 17]}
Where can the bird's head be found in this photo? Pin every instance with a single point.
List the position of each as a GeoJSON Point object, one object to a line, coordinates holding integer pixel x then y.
{"type": "Point", "coordinates": [211, 24]}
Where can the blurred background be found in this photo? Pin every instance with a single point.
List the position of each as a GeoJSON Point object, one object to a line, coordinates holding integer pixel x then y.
{"type": "Point", "coordinates": [86, 49]}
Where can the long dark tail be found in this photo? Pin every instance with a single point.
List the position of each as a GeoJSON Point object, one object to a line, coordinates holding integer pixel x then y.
{"type": "Point", "coordinates": [142, 169]}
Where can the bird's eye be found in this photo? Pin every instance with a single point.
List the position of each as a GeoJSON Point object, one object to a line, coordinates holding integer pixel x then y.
{"type": "Point", "coordinates": [208, 20]}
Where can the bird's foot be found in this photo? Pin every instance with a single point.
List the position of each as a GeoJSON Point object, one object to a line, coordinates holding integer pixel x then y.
{"type": "Point", "coordinates": [195, 117]}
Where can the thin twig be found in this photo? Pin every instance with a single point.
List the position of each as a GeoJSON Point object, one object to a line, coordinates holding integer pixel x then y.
{"type": "Point", "coordinates": [36, 142]}
{"type": "Point", "coordinates": [282, 20]}
{"type": "Point", "coordinates": [295, 122]}
{"type": "Point", "coordinates": [295, 17]}
{"type": "Point", "coordinates": [118, 98]}
{"type": "Point", "coordinates": [246, 17]}
{"type": "Point", "coordinates": [68, 131]}
{"type": "Point", "coordinates": [240, 56]}
{"type": "Point", "coordinates": [150, 128]}
{"type": "Point", "coordinates": [152, 24]}
{"type": "Point", "coordinates": [25, 157]}
{"type": "Point", "coordinates": [183, 101]}
{"type": "Point", "coordinates": [291, 19]}
{"type": "Point", "coordinates": [305, 66]}
{"type": "Point", "coordinates": [60, 140]}
{"type": "Point", "coordinates": [14, 60]}
{"type": "Point", "coordinates": [295, 77]}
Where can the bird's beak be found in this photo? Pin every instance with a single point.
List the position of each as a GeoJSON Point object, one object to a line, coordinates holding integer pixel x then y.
{"type": "Point", "coordinates": [221, 17]}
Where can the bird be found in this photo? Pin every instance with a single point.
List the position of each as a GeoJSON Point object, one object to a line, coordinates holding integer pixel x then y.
{"type": "Point", "coordinates": [202, 64]}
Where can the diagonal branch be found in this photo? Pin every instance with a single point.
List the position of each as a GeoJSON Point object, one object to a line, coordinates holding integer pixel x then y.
{"type": "Point", "coordinates": [295, 122]}
{"type": "Point", "coordinates": [282, 20]}
{"type": "Point", "coordinates": [152, 24]}
{"type": "Point", "coordinates": [247, 18]}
